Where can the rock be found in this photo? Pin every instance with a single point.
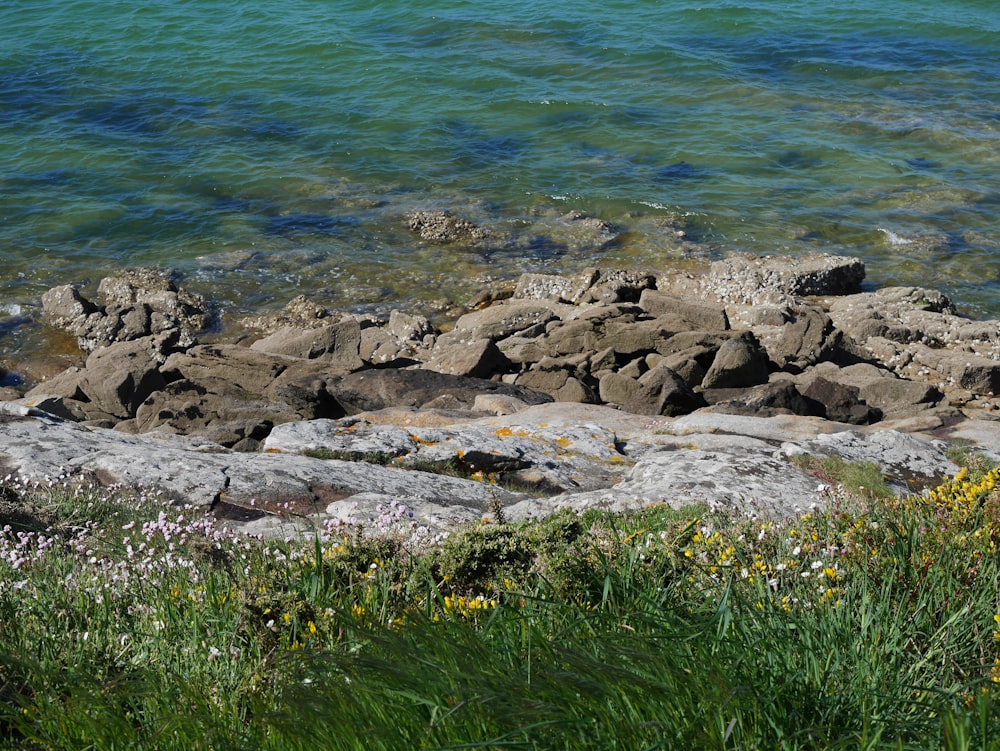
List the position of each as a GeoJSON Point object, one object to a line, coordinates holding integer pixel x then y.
{"type": "Point", "coordinates": [631, 338]}
{"type": "Point", "coordinates": [498, 404]}
{"type": "Point", "coordinates": [338, 343]}
{"type": "Point", "coordinates": [617, 286]}
{"type": "Point", "coordinates": [137, 303]}
{"type": "Point", "coordinates": [444, 227]}
{"type": "Point", "coordinates": [199, 472]}
{"type": "Point", "coordinates": [566, 289]}
{"type": "Point", "coordinates": [750, 280]}
{"type": "Point", "coordinates": [840, 402]}
{"type": "Point", "coordinates": [408, 328]}
{"type": "Point", "coordinates": [299, 312]}
{"type": "Point", "coordinates": [738, 362]}
{"type": "Point", "coordinates": [500, 321]}
{"type": "Point", "coordinates": [692, 315]}
{"type": "Point", "coordinates": [663, 392]}
{"type": "Point", "coordinates": [777, 398]}
{"type": "Point", "coordinates": [249, 370]}
{"type": "Point", "coordinates": [480, 358]}
{"type": "Point", "coordinates": [808, 337]}
{"type": "Point", "coordinates": [371, 390]}
{"type": "Point", "coordinates": [118, 378]}
{"type": "Point", "coordinates": [64, 305]}
{"type": "Point", "coordinates": [909, 463]}
{"type": "Point", "coordinates": [616, 388]}
{"type": "Point", "coordinates": [577, 456]}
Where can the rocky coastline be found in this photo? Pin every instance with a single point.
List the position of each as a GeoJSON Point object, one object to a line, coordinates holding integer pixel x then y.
{"type": "Point", "coordinates": [611, 388]}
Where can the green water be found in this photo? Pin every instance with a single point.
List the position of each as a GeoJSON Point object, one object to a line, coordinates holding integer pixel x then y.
{"type": "Point", "coordinates": [267, 151]}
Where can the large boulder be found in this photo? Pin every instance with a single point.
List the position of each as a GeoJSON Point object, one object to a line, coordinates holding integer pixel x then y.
{"type": "Point", "coordinates": [738, 362]}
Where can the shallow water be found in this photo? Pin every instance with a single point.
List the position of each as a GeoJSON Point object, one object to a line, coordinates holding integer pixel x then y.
{"type": "Point", "coordinates": [268, 151]}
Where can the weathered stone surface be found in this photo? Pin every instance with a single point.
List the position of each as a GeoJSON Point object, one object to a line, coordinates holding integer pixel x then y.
{"type": "Point", "coordinates": [808, 337]}
{"type": "Point", "coordinates": [619, 285]}
{"type": "Point", "coordinates": [568, 289]}
{"type": "Point", "coordinates": [695, 316]}
{"type": "Point", "coordinates": [445, 227]}
{"type": "Point", "coordinates": [199, 472]}
{"type": "Point", "coordinates": [64, 305]}
{"type": "Point", "coordinates": [596, 456]}
{"type": "Point", "coordinates": [246, 369]}
{"type": "Point", "coordinates": [616, 388]}
{"type": "Point", "coordinates": [776, 398]}
{"type": "Point", "coordinates": [663, 392]}
{"type": "Point", "coordinates": [299, 312]}
{"type": "Point", "coordinates": [376, 389]}
{"type": "Point", "coordinates": [479, 358]}
{"type": "Point", "coordinates": [339, 343]}
{"type": "Point", "coordinates": [910, 463]}
{"type": "Point", "coordinates": [631, 338]}
{"type": "Point", "coordinates": [118, 378]}
{"type": "Point", "coordinates": [498, 404]}
{"type": "Point", "coordinates": [751, 280]}
{"type": "Point", "coordinates": [840, 402]}
{"type": "Point", "coordinates": [738, 362]}
{"type": "Point", "coordinates": [577, 457]}
{"type": "Point", "coordinates": [500, 321]}
{"type": "Point", "coordinates": [408, 328]}
{"type": "Point", "coordinates": [137, 303]}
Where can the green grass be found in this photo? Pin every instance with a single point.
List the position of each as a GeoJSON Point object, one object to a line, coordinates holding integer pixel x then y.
{"type": "Point", "coordinates": [856, 478]}
{"type": "Point", "coordinates": [130, 623]}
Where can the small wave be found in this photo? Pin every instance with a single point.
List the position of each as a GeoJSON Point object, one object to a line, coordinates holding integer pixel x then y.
{"type": "Point", "coordinates": [893, 239]}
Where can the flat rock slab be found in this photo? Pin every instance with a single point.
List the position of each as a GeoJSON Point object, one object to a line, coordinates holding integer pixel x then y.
{"type": "Point", "coordinates": [908, 462]}
{"type": "Point", "coordinates": [204, 474]}
{"type": "Point", "coordinates": [616, 460]}
{"type": "Point", "coordinates": [578, 456]}
{"type": "Point", "coordinates": [743, 478]}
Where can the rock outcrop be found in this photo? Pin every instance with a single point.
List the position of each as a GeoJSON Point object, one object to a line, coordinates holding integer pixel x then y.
{"type": "Point", "coordinates": [765, 336]}
{"type": "Point", "coordinates": [608, 388]}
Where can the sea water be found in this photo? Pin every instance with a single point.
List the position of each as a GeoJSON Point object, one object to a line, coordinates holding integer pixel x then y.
{"type": "Point", "coordinates": [267, 150]}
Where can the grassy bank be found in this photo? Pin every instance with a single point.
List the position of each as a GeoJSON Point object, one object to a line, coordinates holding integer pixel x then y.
{"type": "Point", "coordinates": [128, 622]}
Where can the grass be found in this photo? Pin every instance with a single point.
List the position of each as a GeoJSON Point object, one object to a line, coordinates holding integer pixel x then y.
{"type": "Point", "coordinates": [856, 478]}
{"type": "Point", "coordinates": [128, 622]}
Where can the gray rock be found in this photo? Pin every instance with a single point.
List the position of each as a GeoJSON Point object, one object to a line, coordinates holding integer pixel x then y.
{"type": "Point", "coordinates": [500, 321]}
{"type": "Point", "coordinates": [751, 280]}
{"type": "Point", "coordinates": [339, 343]}
{"type": "Point", "coordinates": [118, 378]}
{"type": "Point", "coordinates": [137, 303]}
{"type": "Point", "coordinates": [807, 338]}
{"type": "Point", "coordinates": [617, 388]}
{"type": "Point", "coordinates": [568, 289]}
{"type": "Point", "coordinates": [693, 315]}
{"type": "Point", "coordinates": [738, 362]}
{"type": "Point", "coordinates": [840, 402]}
{"type": "Point", "coordinates": [444, 227]}
{"type": "Point", "coordinates": [578, 457]}
{"type": "Point", "coordinates": [370, 390]}
{"type": "Point", "coordinates": [199, 472]}
{"type": "Point", "coordinates": [776, 398]}
{"type": "Point", "coordinates": [910, 463]}
{"type": "Point", "coordinates": [618, 285]}
{"type": "Point", "coordinates": [249, 370]}
{"type": "Point", "coordinates": [480, 358]}
{"type": "Point", "coordinates": [663, 392]}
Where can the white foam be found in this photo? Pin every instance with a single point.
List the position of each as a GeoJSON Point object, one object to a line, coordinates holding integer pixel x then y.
{"type": "Point", "coordinates": [893, 238]}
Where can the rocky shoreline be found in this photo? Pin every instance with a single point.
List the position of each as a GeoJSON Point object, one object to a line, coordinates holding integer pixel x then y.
{"type": "Point", "coordinates": [593, 389]}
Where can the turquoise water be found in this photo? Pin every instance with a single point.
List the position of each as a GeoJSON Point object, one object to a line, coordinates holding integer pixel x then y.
{"type": "Point", "coordinates": [269, 149]}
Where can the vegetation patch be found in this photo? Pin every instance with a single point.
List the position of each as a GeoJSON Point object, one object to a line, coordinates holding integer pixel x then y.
{"type": "Point", "coordinates": [131, 622]}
